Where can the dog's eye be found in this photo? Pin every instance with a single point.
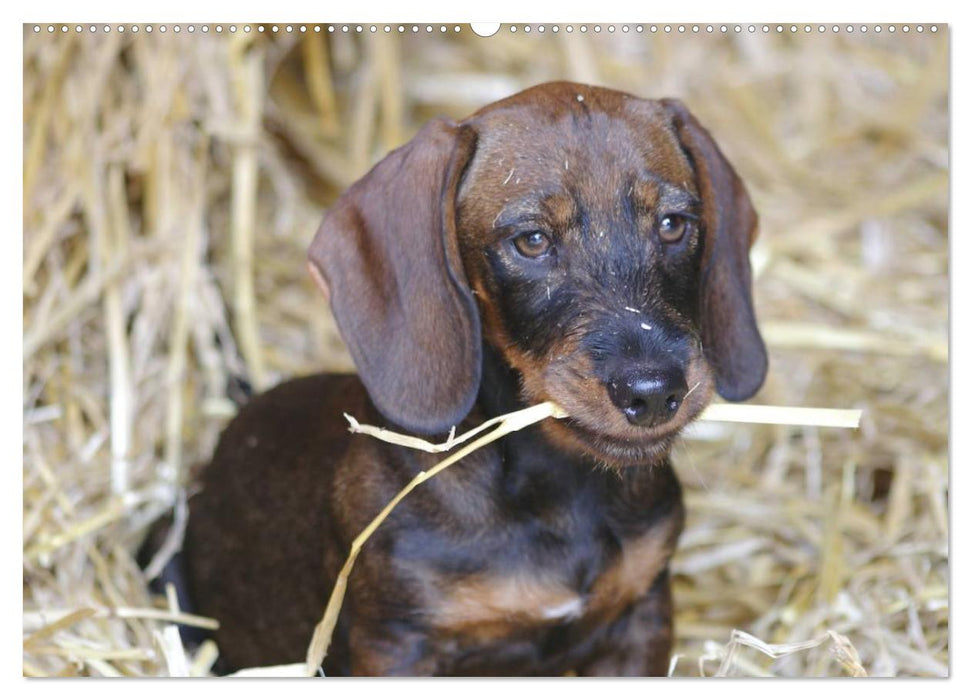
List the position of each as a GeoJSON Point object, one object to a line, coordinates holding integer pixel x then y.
{"type": "Point", "coordinates": [532, 244]}
{"type": "Point", "coordinates": [672, 227]}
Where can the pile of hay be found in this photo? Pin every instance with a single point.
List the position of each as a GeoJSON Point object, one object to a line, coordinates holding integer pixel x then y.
{"type": "Point", "coordinates": [172, 182]}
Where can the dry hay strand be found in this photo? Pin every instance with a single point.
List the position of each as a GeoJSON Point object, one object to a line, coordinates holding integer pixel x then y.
{"type": "Point", "coordinates": [172, 183]}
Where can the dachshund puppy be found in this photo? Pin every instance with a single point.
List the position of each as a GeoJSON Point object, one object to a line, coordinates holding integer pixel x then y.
{"type": "Point", "coordinates": [569, 243]}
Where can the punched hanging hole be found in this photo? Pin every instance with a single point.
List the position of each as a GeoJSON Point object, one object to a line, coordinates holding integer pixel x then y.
{"type": "Point", "coordinates": [485, 29]}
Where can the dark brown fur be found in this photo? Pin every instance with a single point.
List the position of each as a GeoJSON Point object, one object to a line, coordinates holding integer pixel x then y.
{"type": "Point", "coordinates": [545, 552]}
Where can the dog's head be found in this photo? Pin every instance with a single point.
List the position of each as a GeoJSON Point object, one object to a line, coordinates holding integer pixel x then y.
{"type": "Point", "coordinates": [598, 241]}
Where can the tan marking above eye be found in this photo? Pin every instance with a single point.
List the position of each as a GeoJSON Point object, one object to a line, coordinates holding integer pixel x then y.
{"type": "Point", "coordinates": [645, 194]}
{"type": "Point", "coordinates": [560, 210]}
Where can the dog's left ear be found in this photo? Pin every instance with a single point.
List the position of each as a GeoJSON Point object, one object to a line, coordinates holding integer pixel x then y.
{"type": "Point", "coordinates": [732, 343]}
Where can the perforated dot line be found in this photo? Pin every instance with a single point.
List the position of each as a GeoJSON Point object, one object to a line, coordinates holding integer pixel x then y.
{"type": "Point", "coordinates": [512, 28]}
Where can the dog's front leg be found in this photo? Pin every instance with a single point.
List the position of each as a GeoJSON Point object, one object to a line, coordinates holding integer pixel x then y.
{"type": "Point", "coordinates": [389, 649]}
{"type": "Point", "coordinates": [639, 642]}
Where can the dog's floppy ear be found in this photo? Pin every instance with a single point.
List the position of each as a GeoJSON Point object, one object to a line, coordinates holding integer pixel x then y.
{"type": "Point", "coordinates": [387, 257]}
{"type": "Point", "coordinates": [732, 343]}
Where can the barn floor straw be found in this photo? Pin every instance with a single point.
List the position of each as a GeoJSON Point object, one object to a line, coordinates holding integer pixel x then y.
{"type": "Point", "coordinates": [172, 183]}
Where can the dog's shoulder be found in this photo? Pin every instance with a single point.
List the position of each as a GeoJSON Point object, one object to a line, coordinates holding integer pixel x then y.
{"type": "Point", "coordinates": [292, 417]}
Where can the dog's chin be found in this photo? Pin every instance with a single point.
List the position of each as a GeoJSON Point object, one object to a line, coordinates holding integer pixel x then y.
{"type": "Point", "coordinates": [612, 450]}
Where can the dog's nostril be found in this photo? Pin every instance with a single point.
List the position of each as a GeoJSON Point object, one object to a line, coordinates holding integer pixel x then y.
{"type": "Point", "coordinates": [673, 403]}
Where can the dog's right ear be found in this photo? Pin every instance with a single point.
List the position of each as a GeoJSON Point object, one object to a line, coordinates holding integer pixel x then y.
{"type": "Point", "coordinates": [387, 257]}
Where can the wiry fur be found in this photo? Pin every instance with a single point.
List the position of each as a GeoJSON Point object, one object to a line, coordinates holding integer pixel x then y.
{"type": "Point", "coordinates": [526, 558]}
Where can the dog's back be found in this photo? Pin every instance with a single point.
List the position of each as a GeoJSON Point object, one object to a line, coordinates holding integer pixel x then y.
{"type": "Point", "coordinates": [276, 455]}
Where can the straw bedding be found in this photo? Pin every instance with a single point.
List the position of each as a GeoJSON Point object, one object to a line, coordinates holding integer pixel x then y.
{"type": "Point", "coordinates": [173, 181]}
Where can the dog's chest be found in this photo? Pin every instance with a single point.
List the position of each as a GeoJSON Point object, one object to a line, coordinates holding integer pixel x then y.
{"type": "Point", "coordinates": [502, 602]}
{"type": "Point", "coordinates": [552, 553]}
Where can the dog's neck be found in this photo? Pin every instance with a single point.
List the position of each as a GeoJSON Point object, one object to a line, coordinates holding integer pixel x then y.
{"type": "Point", "coordinates": [500, 387]}
{"type": "Point", "coordinates": [530, 465]}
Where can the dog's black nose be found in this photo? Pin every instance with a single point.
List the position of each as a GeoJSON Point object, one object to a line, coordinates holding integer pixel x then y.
{"type": "Point", "coordinates": [648, 397]}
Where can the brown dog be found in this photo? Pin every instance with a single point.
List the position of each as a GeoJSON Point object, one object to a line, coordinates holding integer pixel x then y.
{"type": "Point", "coordinates": [569, 243]}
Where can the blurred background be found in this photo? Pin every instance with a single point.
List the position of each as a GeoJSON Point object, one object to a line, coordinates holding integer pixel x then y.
{"type": "Point", "coordinates": [172, 182]}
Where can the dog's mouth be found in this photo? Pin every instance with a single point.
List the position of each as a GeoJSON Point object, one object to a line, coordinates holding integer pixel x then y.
{"type": "Point", "coordinates": [598, 429]}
